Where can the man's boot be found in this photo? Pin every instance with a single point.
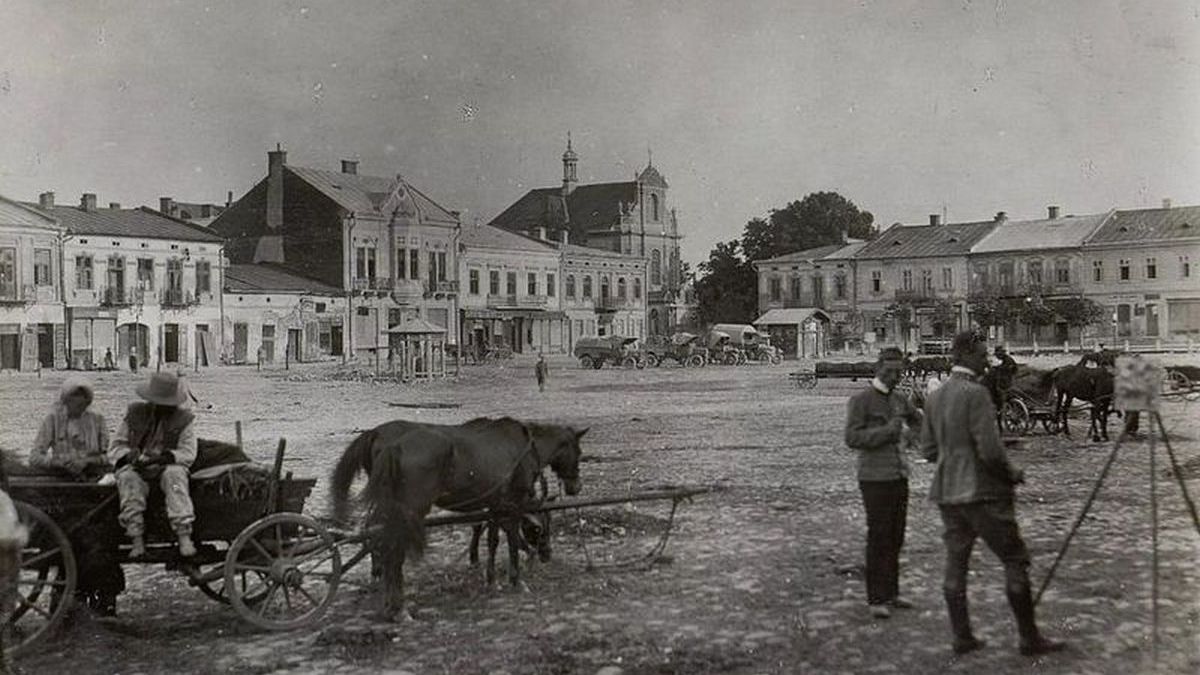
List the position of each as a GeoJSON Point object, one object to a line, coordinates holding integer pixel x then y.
{"type": "Point", "coordinates": [186, 548]}
{"type": "Point", "coordinates": [1032, 642]}
{"type": "Point", "coordinates": [139, 546]}
{"type": "Point", "coordinates": [960, 624]}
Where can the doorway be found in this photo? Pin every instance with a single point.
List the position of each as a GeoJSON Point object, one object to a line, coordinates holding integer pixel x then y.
{"type": "Point", "coordinates": [45, 344]}
{"type": "Point", "coordinates": [170, 349]}
{"type": "Point", "coordinates": [1151, 319]}
{"type": "Point", "coordinates": [240, 335]}
{"type": "Point", "coordinates": [10, 347]}
{"type": "Point", "coordinates": [1123, 321]}
{"type": "Point", "coordinates": [133, 339]}
{"type": "Point", "coordinates": [335, 340]}
{"type": "Point", "coordinates": [295, 336]}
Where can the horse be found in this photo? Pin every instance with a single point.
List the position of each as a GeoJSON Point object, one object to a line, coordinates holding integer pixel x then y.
{"type": "Point", "coordinates": [481, 464]}
{"type": "Point", "coordinates": [1094, 385]}
{"type": "Point", "coordinates": [534, 540]}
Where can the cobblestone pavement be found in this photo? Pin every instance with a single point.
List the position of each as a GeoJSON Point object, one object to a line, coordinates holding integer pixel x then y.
{"type": "Point", "coordinates": [763, 576]}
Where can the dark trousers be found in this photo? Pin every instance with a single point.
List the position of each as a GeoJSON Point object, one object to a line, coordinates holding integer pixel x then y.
{"type": "Point", "coordinates": [995, 522]}
{"type": "Point", "coordinates": [886, 503]}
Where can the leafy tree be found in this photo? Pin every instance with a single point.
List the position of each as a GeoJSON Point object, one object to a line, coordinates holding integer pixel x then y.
{"type": "Point", "coordinates": [1034, 313]}
{"type": "Point", "coordinates": [989, 310]}
{"type": "Point", "coordinates": [819, 219]}
{"type": "Point", "coordinates": [905, 318]}
{"type": "Point", "coordinates": [727, 289]}
{"type": "Point", "coordinates": [1078, 311]}
{"type": "Point", "coordinates": [944, 318]}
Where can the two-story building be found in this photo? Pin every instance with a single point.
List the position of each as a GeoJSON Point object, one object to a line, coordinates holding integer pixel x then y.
{"type": "Point", "coordinates": [1140, 264]}
{"type": "Point", "coordinates": [819, 278]}
{"type": "Point", "coordinates": [32, 322]}
{"type": "Point", "coordinates": [1033, 260]}
{"type": "Point", "coordinates": [380, 239]}
{"type": "Point", "coordinates": [604, 293]}
{"type": "Point", "coordinates": [631, 218]}
{"type": "Point", "coordinates": [510, 292]}
{"type": "Point", "coordinates": [137, 282]}
{"type": "Point", "coordinates": [272, 315]}
{"type": "Point", "coordinates": [904, 274]}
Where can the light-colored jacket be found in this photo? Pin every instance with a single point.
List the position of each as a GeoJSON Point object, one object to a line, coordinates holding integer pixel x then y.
{"type": "Point", "coordinates": [141, 433]}
{"type": "Point", "coordinates": [960, 432]}
{"type": "Point", "coordinates": [54, 446]}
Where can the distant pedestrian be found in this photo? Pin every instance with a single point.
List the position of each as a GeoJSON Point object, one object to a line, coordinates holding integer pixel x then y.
{"type": "Point", "coordinates": [108, 360]}
{"type": "Point", "coordinates": [875, 421]}
{"type": "Point", "coordinates": [540, 370]}
{"type": "Point", "coordinates": [973, 488]}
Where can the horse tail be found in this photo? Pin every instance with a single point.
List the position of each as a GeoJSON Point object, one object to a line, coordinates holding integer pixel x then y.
{"type": "Point", "coordinates": [402, 530]}
{"type": "Point", "coordinates": [356, 458]}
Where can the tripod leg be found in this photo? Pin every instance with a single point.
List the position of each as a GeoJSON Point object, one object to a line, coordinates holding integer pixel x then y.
{"type": "Point", "coordinates": [1153, 548]}
{"type": "Point", "coordinates": [1175, 468]}
{"type": "Point", "coordinates": [1062, 551]}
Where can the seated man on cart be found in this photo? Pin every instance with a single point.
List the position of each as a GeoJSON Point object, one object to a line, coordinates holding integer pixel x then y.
{"type": "Point", "coordinates": [156, 442]}
{"type": "Point", "coordinates": [71, 444]}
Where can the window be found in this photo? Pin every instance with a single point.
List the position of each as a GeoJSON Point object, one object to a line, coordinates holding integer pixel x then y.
{"type": "Point", "coordinates": [493, 282]}
{"type": "Point", "coordinates": [473, 282]}
{"type": "Point", "coordinates": [8, 272]}
{"type": "Point", "coordinates": [83, 272]}
{"type": "Point", "coordinates": [441, 264]}
{"type": "Point", "coordinates": [319, 307]}
{"type": "Point", "coordinates": [947, 278]}
{"type": "Point", "coordinates": [654, 207]}
{"type": "Point", "coordinates": [433, 271]}
{"type": "Point", "coordinates": [776, 286]}
{"type": "Point", "coordinates": [401, 263]}
{"type": "Point", "coordinates": [839, 287]}
{"type": "Point", "coordinates": [360, 262]}
{"type": "Point", "coordinates": [570, 285]}
{"type": "Point", "coordinates": [1123, 270]}
{"type": "Point", "coordinates": [1097, 270]}
{"type": "Point", "coordinates": [927, 280]}
{"type": "Point", "coordinates": [414, 264]}
{"type": "Point", "coordinates": [604, 288]}
{"type": "Point", "coordinates": [203, 277]}
{"type": "Point", "coordinates": [655, 268]}
{"type": "Point", "coordinates": [876, 281]}
{"type": "Point", "coordinates": [587, 287]}
{"type": "Point", "coordinates": [637, 289]}
{"type": "Point", "coordinates": [1062, 271]}
{"type": "Point", "coordinates": [1151, 268]}
{"type": "Point", "coordinates": [41, 267]}
{"type": "Point", "coordinates": [981, 276]}
{"type": "Point", "coordinates": [510, 283]}
{"type": "Point", "coordinates": [531, 283]}
{"type": "Point", "coordinates": [175, 275]}
{"type": "Point", "coordinates": [621, 288]}
{"type": "Point", "coordinates": [116, 275]}
{"type": "Point", "coordinates": [550, 290]}
{"type": "Point", "coordinates": [1185, 267]}
{"type": "Point", "coordinates": [818, 286]}
{"type": "Point", "coordinates": [1006, 276]}
{"type": "Point", "coordinates": [1035, 272]}
{"type": "Point", "coordinates": [906, 280]}
{"type": "Point", "coordinates": [795, 290]}
{"type": "Point", "coordinates": [145, 273]}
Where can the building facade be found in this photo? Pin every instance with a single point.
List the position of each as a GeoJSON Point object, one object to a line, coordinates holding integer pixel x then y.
{"type": "Point", "coordinates": [604, 293]}
{"type": "Point", "coordinates": [274, 316]}
{"type": "Point", "coordinates": [380, 240]}
{"type": "Point", "coordinates": [510, 292]}
{"type": "Point", "coordinates": [32, 320]}
{"type": "Point", "coordinates": [818, 278]}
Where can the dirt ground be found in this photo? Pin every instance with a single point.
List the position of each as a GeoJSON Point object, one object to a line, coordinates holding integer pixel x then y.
{"type": "Point", "coordinates": [763, 575]}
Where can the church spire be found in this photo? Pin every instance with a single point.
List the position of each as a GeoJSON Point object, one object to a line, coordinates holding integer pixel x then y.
{"type": "Point", "coordinates": [570, 161]}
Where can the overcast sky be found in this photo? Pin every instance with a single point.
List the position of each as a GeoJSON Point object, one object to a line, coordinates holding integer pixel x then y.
{"type": "Point", "coordinates": [904, 107]}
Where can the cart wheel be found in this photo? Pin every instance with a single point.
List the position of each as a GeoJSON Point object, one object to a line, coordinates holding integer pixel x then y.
{"type": "Point", "coordinates": [211, 582]}
{"type": "Point", "coordinates": [629, 362]}
{"type": "Point", "coordinates": [776, 359]}
{"type": "Point", "coordinates": [1051, 424]}
{"type": "Point", "coordinates": [1015, 416]}
{"type": "Point", "coordinates": [597, 364]}
{"type": "Point", "coordinates": [293, 566]}
{"type": "Point", "coordinates": [46, 584]}
{"type": "Point", "coordinates": [585, 361]}
{"type": "Point", "coordinates": [694, 361]}
{"type": "Point", "coordinates": [652, 361]}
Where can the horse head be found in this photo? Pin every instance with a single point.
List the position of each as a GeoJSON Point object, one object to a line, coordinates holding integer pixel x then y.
{"type": "Point", "coordinates": [559, 446]}
{"type": "Point", "coordinates": [535, 530]}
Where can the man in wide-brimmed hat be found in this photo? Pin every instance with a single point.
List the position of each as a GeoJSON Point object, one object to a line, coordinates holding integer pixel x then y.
{"type": "Point", "coordinates": [156, 441]}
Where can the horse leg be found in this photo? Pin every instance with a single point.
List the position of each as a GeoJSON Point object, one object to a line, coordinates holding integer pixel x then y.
{"type": "Point", "coordinates": [1063, 411]}
{"type": "Point", "coordinates": [393, 588]}
{"type": "Point", "coordinates": [493, 544]}
{"type": "Point", "coordinates": [512, 531]}
{"type": "Point", "coordinates": [476, 533]}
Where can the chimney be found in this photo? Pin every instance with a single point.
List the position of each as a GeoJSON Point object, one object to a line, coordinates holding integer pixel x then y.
{"type": "Point", "coordinates": [229, 199]}
{"type": "Point", "coordinates": [1053, 212]}
{"type": "Point", "coordinates": [114, 205]}
{"type": "Point", "coordinates": [1001, 216]}
{"type": "Point", "coordinates": [541, 233]}
{"type": "Point", "coordinates": [350, 166]}
{"type": "Point", "coordinates": [166, 205]}
{"type": "Point", "coordinates": [935, 219]}
{"type": "Point", "coordinates": [88, 201]}
{"type": "Point", "coordinates": [566, 236]}
{"type": "Point", "coordinates": [275, 161]}
{"type": "Point", "coordinates": [1166, 201]}
{"type": "Point", "coordinates": [46, 200]}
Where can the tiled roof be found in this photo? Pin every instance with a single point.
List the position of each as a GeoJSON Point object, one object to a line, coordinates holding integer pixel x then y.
{"type": "Point", "coordinates": [576, 249]}
{"type": "Point", "coordinates": [816, 253]}
{"type": "Point", "coordinates": [142, 222]}
{"type": "Point", "coordinates": [797, 315]}
{"type": "Point", "coordinates": [651, 176]}
{"type": "Point", "coordinates": [1022, 235]}
{"type": "Point", "coordinates": [589, 207]}
{"type": "Point", "coordinates": [923, 241]}
{"type": "Point", "coordinates": [264, 277]}
{"type": "Point", "coordinates": [1149, 225]}
{"type": "Point", "coordinates": [16, 213]}
{"type": "Point", "coordinates": [365, 194]}
{"type": "Point", "coordinates": [486, 236]}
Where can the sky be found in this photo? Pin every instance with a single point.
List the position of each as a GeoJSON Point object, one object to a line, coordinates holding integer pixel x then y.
{"type": "Point", "coordinates": [906, 108]}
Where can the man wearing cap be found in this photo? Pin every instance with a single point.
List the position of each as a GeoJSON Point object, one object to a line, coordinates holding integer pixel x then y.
{"type": "Point", "coordinates": [156, 441]}
{"type": "Point", "coordinates": [973, 486]}
{"type": "Point", "coordinates": [875, 419]}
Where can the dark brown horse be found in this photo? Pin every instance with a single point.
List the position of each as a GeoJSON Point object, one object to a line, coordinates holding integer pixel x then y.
{"type": "Point", "coordinates": [490, 464]}
{"type": "Point", "coordinates": [1094, 385]}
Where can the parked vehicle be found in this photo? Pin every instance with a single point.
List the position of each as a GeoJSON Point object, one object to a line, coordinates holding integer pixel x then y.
{"type": "Point", "coordinates": [683, 348]}
{"type": "Point", "coordinates": [618, 350]}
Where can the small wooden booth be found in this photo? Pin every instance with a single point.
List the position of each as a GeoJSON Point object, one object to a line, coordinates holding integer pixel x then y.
{"type": "Point", "coordinates": [417, 349]}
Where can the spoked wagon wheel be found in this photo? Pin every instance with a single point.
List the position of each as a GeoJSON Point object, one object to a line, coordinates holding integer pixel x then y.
{"type": "Point", "coordinates": [629, 362]}
{"type": "Point", "coordinates": [45, 587]}
{"type": "Point", "coordinates": [293, 566]}
{"type": "Point", "coordinates": [585, 362]}
{"type": "Point", "coordinates": [694, 361]}
{"type": "Point", "coordinates": [1015, 417]}
{"type": "Point", "coordinates": [652, 361]}
{"type": "Point", "coordinates": [210, 579]}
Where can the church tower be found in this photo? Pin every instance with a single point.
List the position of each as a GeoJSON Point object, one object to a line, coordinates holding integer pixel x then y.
{"type": "Point", "coordinates": [570, 161]}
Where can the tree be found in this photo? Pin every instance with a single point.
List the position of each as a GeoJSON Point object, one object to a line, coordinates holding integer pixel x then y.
{"type": "Point", "coordinates": [944, 318]}
{"type": "Point", "coordinates": [905, 318]}
{"type": "Point", "coordinates": [1078, 312]}
{"type": "Point", "coordinates": [727, 288]}
{"type": "Point", "coordinates": [1034, 312]}
{"type": "Point", "coordinates": [988, 310]}
{"type": "Point", "coordinates": [819, 219]}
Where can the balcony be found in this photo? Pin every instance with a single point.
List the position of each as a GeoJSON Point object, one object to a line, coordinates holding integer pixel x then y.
{"type": "Point", "coordinates": [374, 284]}
{"type": "Point", "coordinates": [116, 297]}
{"type": "Point", "coordinates": [176, 298]}
{"type": "Point", "coordinates": [405, 291]}
{"type": "Point", "coordinates": [514, 300]}
{"type": "Point", "coordinates": [1026, 289]}
{"type": "Point", "coordinates": [442, 288]}
{"type": "Point", "coordinates": [613, 303]}
{"type": "Point", "coordinates": [917, 296]}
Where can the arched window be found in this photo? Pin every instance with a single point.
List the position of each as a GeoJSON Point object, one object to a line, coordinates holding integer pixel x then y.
{"type": "Point", "coordinates": [656, 267]}
{"type": "Point", "coordinates": [621, 288]}
{"type": "Point", "coordinates": [654, 207]}
{"type": "Point", "coordinates": [637, 288]}
{"type": "Point", "coordinates": [604, 288]}
{"type": "Point", "coordinates": [570, 285]}
{"type": "Point", "coordinates": [587, 287]}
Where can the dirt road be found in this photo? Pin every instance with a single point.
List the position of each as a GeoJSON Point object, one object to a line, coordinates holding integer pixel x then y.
{"type": "Point", "coordinates": [764, 575]}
